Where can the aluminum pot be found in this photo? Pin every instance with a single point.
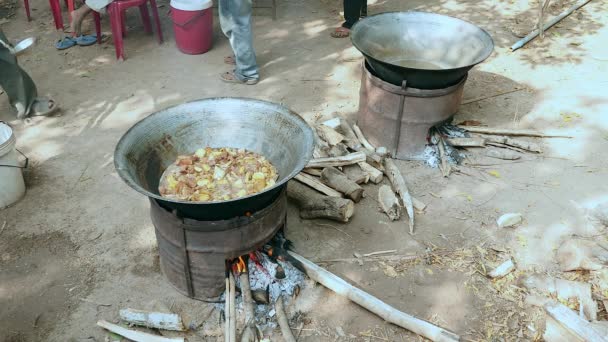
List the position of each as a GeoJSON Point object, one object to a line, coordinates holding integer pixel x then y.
{"type": "Point", "coordinates": [429, 51]}
{"type": "Point", "coordinates": [152, 144]}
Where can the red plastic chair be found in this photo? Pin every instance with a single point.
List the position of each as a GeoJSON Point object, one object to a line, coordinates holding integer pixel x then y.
{"type": "Point", "coordinates": [116, 11]}
{"type": "Point", "coordinates": [26, 4]}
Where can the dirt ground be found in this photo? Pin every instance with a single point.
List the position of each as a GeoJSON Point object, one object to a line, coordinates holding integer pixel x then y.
{"type": "Point", "coordinates": [80, 245]}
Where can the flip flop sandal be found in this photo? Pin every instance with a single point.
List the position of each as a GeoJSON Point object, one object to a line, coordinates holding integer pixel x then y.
{"type": "Point", "coordinates": [230, 60]}
{"type": "Point", "coordinates": [65, 43]}
{"type": "Point", "coordinates": [86, 40]}
{"type": "Point", "coordinates": [340, 32]}
{"type": "Point", "coordinates": [230, 77]}
{"type": "Point", "coordinates": [43, 106]}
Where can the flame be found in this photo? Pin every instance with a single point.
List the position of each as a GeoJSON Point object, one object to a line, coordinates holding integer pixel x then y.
{"type": "Point", "coordinates": [239, 266]}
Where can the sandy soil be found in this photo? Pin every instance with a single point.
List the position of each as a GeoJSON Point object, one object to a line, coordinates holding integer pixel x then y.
{"type": "Point", "coordinates": [80, 245]}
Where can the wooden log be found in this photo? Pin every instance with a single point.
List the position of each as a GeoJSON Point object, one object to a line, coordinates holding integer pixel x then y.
{"type": "Point", "coordinates": [445, 164]}
{"type": "Point", "coordinates": [524, 145]}
{"type": "Point", "coordinates": [373, 304]}
{"type": "Point", "coordinates": [227, 310]}
{"type": "Point", "coordinates": [283, 321]}
{"type": "Point", "coordinates": [313, 172]}
{"type": "Point", "coordinates": [394, 175]}
{"type": "Point", "coordinates": [505, 155]}
{"type": "Point", "coordinates": [573, 323]}
{"type": "Point", "coordinates": [512, 132]}
{"type": "Point", "coordinates": [333, 123]}
{"type": "Point", "coordinates": [348, 159]}
{"type": "Point", "coordinates": [317, 185]}
{"type": "Point", "coordinates": [356, 174]}
{"type": "Point", "coordinates": [362, 138]}
{"type": "Point", "coordinates": [313, 205]}
{"type": "Point", "coordinates": [337, 180]}
{"type": "Point", "coordinates": [319, 152]}
{"type": "Point", "coordinates": [375, 175]}
{"type": "Point", "coordinates": [329, 135]}
{"type": "Point", "coordinates": [155, 320]}
{"type": "Point", "coordinates": [135, 335]}
{"type": "Point", "coordinates": [338, 150]}
{"type": "Point", "coordinates": [350, 138]}
{"type": "Point", "coordinates": [389, 202]}
{"type": "Point", "coordinates": [249, 331]}
{"type": "Point", "coordinates": [467, 142]}
{"type": "Point", "coordinates": [232, 307]}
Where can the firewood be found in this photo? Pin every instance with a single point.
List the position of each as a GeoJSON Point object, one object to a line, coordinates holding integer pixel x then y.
{"type": "Point", "coordinates": [337, 180]}
{"type": "Point", "coordinates": [394, 175]}
{"type": "Point", "coordinates": [389, 202]}
{"type": "Point", "coordinates": [505, 155]}
{"type": "Point", "coordinates": [524, 145]}
{"type": "Point", "coordinates": [375, 175]}
{"type": "Point", "coordinates": [317, 185]}
{"type": "Point", "coordinates": [350, 138]}
{"type": "Point", "coordinates": [227, 310]}
{"type": "Point", "coordinates": [333, 123]}
{"type": "Point", "coordinates": [283, 321]}
{"type": "Point", "coordinates": [467, 142]}
{"type": "Point", "coordinates": [443, 158]}
{"type": "Point", "coordinates": [356, 174]}
{"type": "Point", "coordinates": [313, 172]}
{"type": "Point", "coordinates": [313, 205]}
{"type": "Point", "coordinates": [418, 204]}
{"type": "Point", "coordinates": [135, 335]}
{"type": "Point", "coordinates": [348, 159]}
{"type": "Point", "coordinates": [338, 150]}
{"type": "Point", "coordinates": [320, 152]}
{"type": "Point", "coordinates": [382, 151]}
{"type": "Point", "coordinates": [373, 304]}
{"type": "Point", "coordinates": [326, 133]}
{"type": "Point", "coordinates": [362, 138]}
{"type": "Point", "coordinates": [232, 307]}
{"type": "Point", "coordinates": [512, 132]}
{"type": "Point", "coordinates": [156, 320]}
{"type": "Point", "coordinates": [573, 323]}
{"type": "Point", "coordinates": [249, 332]}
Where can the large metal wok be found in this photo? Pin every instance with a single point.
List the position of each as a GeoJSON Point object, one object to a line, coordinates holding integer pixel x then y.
{"type": "Point", "coordinates": [152, 144]}
{"type": "Point", "coordinates": [429, 51]}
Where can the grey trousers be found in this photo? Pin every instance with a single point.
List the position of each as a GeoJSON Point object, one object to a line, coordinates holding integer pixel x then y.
{"type": "Point", "coordinates": [235, 19]}
{"type": "Point", "coordinates": [17, 84]}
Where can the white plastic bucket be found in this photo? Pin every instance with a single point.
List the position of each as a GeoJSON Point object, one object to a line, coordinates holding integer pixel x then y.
{"type": "Point", "coordinates": [12, 187]}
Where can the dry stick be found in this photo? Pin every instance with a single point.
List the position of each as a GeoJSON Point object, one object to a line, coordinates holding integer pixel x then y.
{"type": "Point", "coordinates": [232, 307]}
{"type": "Point", "coordinates": [338, 150]}
{"type": "Point", "coordinates": [507, 147]}
{"type": "Point", "coordinates": [524, 145]}
{"type": "Point", "coordinates": [362, 139]}
{"type": "Point", "coordinates": [317, 185]}
{"type": "Point", "coordinates": [326, 133]}
{"type": "Point", "coordinates": [508, 131]}
{"type": "Point", "coordinates": [312, 205]}
{"type": "Point", "coordinates": [394, 175]}
{"type": "Point", "coordinates": [350, 138]}
{"type": "Point", "coordinates": [227, 310]}
{"type": "Point", "coordinates": [134, 335]}
{"type": "Point", "coordinates": [282, 319]}
{"type": "Point", "coordinates": [156, 320]}
{"type": "Point", "coordinates": [332, 123]}
{"type": "Point", "coordinates": [491, 96]}
{"type": "Point", "coordinates": [373, 304]}
{"type": "Point", "coordinates": [348, 159]}
{"type": "Point", "coordinates": [418, 204]}
{"type": "Point", "coordinates": [467, 142]}
{"type": "Point", "coordinates": [313, 172]}
{"type": "Point", "coordinates": [375, 175]}
{"type": "Point", "coordinates": [541, 16]}
{"type": "Point", "coordinates": [389, 202]}
{"type": "Point", "coordinates": [445, 164]}
{"type": "Point", "coordinates": [248, 305]}
{"type": "Point", "coordinates": [356, 174]}
{"type": "Point", "coordinates": [337, 180]}
{"type": "Point", "coordinates": [573, 323]}
{"type": "Point", "coordinates": [504, 155]}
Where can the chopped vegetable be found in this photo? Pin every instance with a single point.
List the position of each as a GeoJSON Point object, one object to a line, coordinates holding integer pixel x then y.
{"type": "Point", "coordinates": [217, 174]}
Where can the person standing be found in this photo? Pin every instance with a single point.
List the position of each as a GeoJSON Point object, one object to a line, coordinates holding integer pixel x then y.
{"type": "Point", "coordinates": [235, 20]}
{"type": "Point", "coordinates": [353, 11]}
{"type": "Point", "coordinates": [19, 86]}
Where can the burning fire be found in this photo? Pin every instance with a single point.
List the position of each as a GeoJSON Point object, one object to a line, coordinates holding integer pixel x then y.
{"type": "Point", "coordinates": [239, 265]}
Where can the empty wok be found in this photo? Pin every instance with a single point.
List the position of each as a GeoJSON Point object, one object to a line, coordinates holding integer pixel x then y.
{"type": "Point", "coordinates": [147, 148]}
{"type": "Point", "coordinates": [429, 51]}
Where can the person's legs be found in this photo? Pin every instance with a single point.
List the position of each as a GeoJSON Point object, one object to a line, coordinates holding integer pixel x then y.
{"type": "Point", "coordinates": [77, 18]}
{"type": "Point", "coordinates": [353, 9]}
{"type": "Point", "coordinates": [235, 19]}
{"type": "Point", "coordinates": [17, 84]}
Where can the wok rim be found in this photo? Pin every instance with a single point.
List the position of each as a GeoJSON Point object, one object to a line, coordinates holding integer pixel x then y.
{"type": "Point", "coordinates": [368, 55]}
{"type": "Point", "coordinates": [303, 161]}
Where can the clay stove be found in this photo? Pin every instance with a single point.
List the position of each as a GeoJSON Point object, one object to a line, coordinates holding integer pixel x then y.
{"type": "Point", "coordinates": [399, 118]}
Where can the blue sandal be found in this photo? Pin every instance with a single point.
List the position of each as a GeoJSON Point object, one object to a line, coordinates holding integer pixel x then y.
{"type": "Point", "coordinates": [65, 43]}
{"type": "Point", "coordinates": [86, 40]}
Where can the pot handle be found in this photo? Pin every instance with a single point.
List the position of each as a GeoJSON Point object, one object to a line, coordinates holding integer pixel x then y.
{"type": "Point", "coordinates": [25, 165]}
{"type": "Point", "coordinates": [187, 22]}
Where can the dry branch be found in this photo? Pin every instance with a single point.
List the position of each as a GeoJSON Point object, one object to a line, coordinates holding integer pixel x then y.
{"type": "Point", "coordinates": [317, 185]}
{"type": "Point", "coordinates": [375, 175]}
{"type": "Point", "coordinates": [348, 159]}
{"type": "Point", "coordinates": [227, 310]}
{"type": "Point", "coordinates": [332, 123]}
{"type": "Point", "coordinates": [313, 172]}
{"type": "Point", "coordinates": [467, 142]}
{"type": "Point", "coordinates": [329, 135]}
{"type": "Point", "coordinates": [283, 321]}
{"type": "Point", "coordinates": [312, 205]}
{"type": "Point", "coordinates": [356, 174]}
{"type": "Point", "coordinates": [232, 307]}
{"type": "Point", "coordinates": [524, 145]}
{"type": "Point", "coordinates": [135, 335]}
{"type": "Point", "coordinates": [505, 155]}
{"type": "Point", "coordinates": [445, 164]}
{"type": "Point", "coordinates": [389, 202]}
{"type": "Point", "coordinates": [394, 175]}
{"type": "Point", "coordinates": [156, 320]}
{"type": "Point", "coordinates": [573, 323]}
{"type": "Point", "coordinates": [337, 180]}
{"type": "Point", "coordinates": [350, 138]}
{"type": "Point", "coordinates": [511, 132]}
{"type": "Point", "coordinates": [362, 138]}
{"type": "Point", "coordinates": [418, 204]}
{"type": "Point", "coordinates": [374, 304]}
{"type": "Point", "coordinates": [249, 332]}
